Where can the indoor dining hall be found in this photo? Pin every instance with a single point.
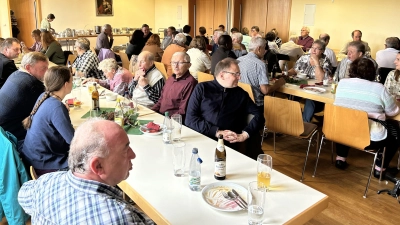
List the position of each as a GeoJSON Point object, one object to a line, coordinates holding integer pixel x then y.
{"type": "Point", "coordinates": [199, 112]}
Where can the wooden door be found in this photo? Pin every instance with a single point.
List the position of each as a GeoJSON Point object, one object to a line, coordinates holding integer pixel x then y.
{"type": "Point", "coordinates": [278, 17]}
{"type": "Point", "coordinates": [254, 13]}
{"type": "Point", "coordinates": [204, 16]}
{"type": "Point", "coordinates": [24, 11]}
{"type": "Point", "coordinates": [220, 13]}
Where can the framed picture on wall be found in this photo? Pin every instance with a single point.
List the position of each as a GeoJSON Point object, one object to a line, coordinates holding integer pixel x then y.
{"type": "Point", "coordinates": [104, 8]}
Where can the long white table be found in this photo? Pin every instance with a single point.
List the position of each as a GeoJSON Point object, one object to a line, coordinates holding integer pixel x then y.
{"type": "Point", "coordinates": [168, 200]}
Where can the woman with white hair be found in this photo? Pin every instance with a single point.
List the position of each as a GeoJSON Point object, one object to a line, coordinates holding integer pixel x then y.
{"type": "Point", "coordinates": [238, 48]}
{"type": "Point", "coordinates": [118, 78]}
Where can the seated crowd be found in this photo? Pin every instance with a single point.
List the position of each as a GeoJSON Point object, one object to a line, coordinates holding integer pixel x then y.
{"type": "Point", "coordinates": [32, 109]}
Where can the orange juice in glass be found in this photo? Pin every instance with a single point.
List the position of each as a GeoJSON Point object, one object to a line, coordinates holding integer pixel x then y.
{"type": "Point", "coordinates": [77, 103]}
{"type": "Point", "coordinates": [264, 169]}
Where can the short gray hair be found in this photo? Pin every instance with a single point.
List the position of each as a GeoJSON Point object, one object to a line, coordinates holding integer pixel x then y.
{"type": "Point", "coordinates": [306, 28]}
{"type": "Point", "coordinates": [218, 33]}
{"type": "Point", "coordinates": [186, 57]}
{"type": "Point", "coordinates": [105, 26]}
{"type": "Point", "coordinates": [149, 55]}
{"type": "Point", "coordinates": [256, 42]}
{"type": "Point", "coordinates": [392, 42]}
{"type": "Point", "coordinates": [224, 64]}
{"type": "Point", "coordinates": [238, 36]}
{"type": "Point", "coordinates": [88, 142]}
{"type": "Point", "coordinates": [321, 44]}
{"type": "Point", "coordinates": [7, 43]}
{"type": "Point", "coordinates": [107, 65]}
{"type": "Point", "coordinates": [294, 38]}
{"type": "Point", "coordinates": [83, 43]}
{"type": "Point", "coordinates": [32, 58]}
{"type": "Point", "coordinates": [180, 39]}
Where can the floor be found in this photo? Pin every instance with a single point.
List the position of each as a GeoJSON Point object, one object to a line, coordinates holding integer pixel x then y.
{"type": "Point", "coordinates": [344, 188]}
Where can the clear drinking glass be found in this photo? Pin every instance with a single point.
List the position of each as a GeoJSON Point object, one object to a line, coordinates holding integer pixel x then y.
{"type": "Point", "coordinates": [77, 81]}
{"type": "Point", "coordinates": [177, 124]}
{"type": "Point", "coordinates": [256, 203]}
{"type": "Point", "coordinates": [264, 169]}
{"type": "Point", "coordinates": [179, 159]}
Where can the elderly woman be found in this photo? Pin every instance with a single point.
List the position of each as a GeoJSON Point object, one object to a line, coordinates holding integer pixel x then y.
{"type": "Point", "coordinates": [118, 78]}
{"type": "Point", "coordinates": [317, 66]}
{"type": "Point", "coordinates": [49, 128]}
{"type": "Point", "coordinates": [238, 48]}
{"type": "Point", "coordinates": [362, 93]}
{"type": "Point", "coordinates": [392, 82]}
{"type": "Point", "coordinates": [224, 51]}
{"type": "Point", "coordinates": [52, 48]}
{"type": "Point", "coordinates": [37, 46]}
{"type": "Point", "coordinates": [87, 63]}
{"type": "Point", "coordinates": [199, 57]}
{"type": "Point", "coordinates": [178, 45]}
{"type": "Point", "coordinates": [153, 46]}
{"type": "Point", "coordinates": [136, 44]}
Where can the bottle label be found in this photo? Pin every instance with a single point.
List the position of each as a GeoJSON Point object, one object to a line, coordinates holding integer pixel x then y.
{"type": "Point", "coordinates": [167, 136]}
{"type": "Point", "coordinates": [220, 147]}
{"type": "Point", "coordinates": [194, 180]}
{"type": "Point", "coordinates": [220, 169]}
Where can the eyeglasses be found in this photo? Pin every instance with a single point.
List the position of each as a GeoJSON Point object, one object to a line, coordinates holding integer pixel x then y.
{"type": "Point", "coordinates": [178, 63]}
{"type": "Point", "coordinates": [236, 74]}
{"type": "Point", "coordinates": [316, 49]}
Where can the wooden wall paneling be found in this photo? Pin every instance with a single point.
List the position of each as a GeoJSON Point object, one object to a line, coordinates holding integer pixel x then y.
{"type": "Point", "coordinates": [25, 13]}
{"type": "Point", "coordinates": [254, 13]}
{"type": "Point", "coordinates": [205, 16]}
{"type": "Point", "coordinates": [191, 22]}
{"type": "Point", "coordinates": [220, 13]}
{"type": "Point", "coordinates": [278, 16]}
{"type": "Point", "coordinates": [236, 14]}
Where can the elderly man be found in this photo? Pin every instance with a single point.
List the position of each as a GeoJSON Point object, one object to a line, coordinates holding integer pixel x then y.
{"type": "Point", "coordinates": [221, 107]}
{"type": "Point", "coordinates": [178, 45]}
{"type": "Point", "coordinates": [20, 93]}
{"type": "Point", "coordinates": [45, 24]}
{"type": "Point", "coordinates": [146, 32]}
{"type": "Point", "coordinates": [304, 40]}
{"type": "Point", "coordinates": [168, 38]}
{"type": "Point", "coordinates": [328, 52]}
{"type": "Point", "coordinates": [102, 38]}
{"type": "Point", "coordinates": [293, 50]}
{"type": "Point", "coordinates": [148, 82]}
{"type": "Point", "coordinates": [87, 63]}
{"type": "Point", "coordinates": [254, 71]}
{"type": "Point", "coordinates": [387, 56]}
{"type": "Point", "coordinates": [99, 158]}
{"type": "Point", "coordinates": [238, 48]}
{"type": "Point", "coordinates": [9, 50]}
{"type": "Point", "coordinates": [356, 35]}
{"type": "Point", "coordinates": [217, 34]}
{"type": "Point", "coordinates": [178, 88]}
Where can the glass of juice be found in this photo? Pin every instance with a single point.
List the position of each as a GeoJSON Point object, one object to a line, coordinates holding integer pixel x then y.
{"type": "Point", "coordinates": [264, 170]}
{"type": "Point", "coordinates": [77, 103]}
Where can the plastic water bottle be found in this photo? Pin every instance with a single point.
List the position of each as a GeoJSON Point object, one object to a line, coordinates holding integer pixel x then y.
{"type": "Point", "coordinates": [167, 129]}
{"type": "Point", "coordinates": [285, 69]}
{"type": "Point", "coordinates": [195, 171]}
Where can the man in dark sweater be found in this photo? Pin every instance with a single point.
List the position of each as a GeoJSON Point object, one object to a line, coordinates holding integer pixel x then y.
{"type": "Point", "coordinates": [146, 32]}
{"type": "Point", "coordinates": [9, 50]}
{"type": "Point", "coordinates": [221, 107]}
{"type": "Point", "coordinates": [20, 92]}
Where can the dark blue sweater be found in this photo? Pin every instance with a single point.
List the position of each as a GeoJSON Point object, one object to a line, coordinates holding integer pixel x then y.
{"type": "Point", "coordinates": [17, 98]}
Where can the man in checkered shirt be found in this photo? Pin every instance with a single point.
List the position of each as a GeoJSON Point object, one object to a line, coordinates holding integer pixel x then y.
{"type": "Point", "coordinates": [254, 71]}
{"type": "Point", "coordinates": [87, 63]}
{"type": "Point", "coordinates": [99, 158]}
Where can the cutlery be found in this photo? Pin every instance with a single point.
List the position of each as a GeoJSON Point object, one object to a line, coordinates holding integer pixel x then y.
{"type": "Point", "coordinates": [240, 198]}
{"type": "Point", "coordinates": [229, 197]}
{"type": "Point", "coordinates": [102, 93]}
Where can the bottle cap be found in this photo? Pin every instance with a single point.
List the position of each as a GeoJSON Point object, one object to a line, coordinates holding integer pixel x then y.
{"type": "Point", "coordinates": [166, 113]}
{"type": "Point", "coordinates": [220, 136]}
{"type": "Point", "coordinates": [195, 150]}
{"type": "Point", "coordinates": [199, 160]}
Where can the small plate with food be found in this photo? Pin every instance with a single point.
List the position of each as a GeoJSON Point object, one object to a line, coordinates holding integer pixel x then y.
{"type": "Point", "coordinates": [151, 128]}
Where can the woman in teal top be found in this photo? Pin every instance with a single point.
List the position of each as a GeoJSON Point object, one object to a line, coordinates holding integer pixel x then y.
{"type": "Point", "coordinates": [52, 49]}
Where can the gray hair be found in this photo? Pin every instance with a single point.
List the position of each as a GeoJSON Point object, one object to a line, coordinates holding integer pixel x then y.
{"type": "Point", "coordinates": [325, 38]}
{"type": "Point", "coordinates": [218, 33]}
{"type": "Point", "coordinates": [224, 64]}
{"type": "Point", "coordinates": [358, 45]}
{"type": "Point", "coordinates": [321, 44]}
{"type": "Point", "coordinates": [105, 26]}
{"type": "Point", "coordinates": [88, 142]}
{"type": "Point", "coordinates": [180, 39]}
{"type": "Point", "coordinates": [392, 42]}
{"type": "Point", "coordinates": [83, 43]}
{"type": "Point", "coordinates": [7, 43]}
{"type": "Point", "coordinates": [306, 28]}
{"type": "Point", "coordinates": [32, 58]}
{"type": "Point", "coordinates": [186, 57]}
{"type": "Point", "coordinates": [256, 42]}
{"type": "Point", "coordinates": [107, 65]}
{"type": "Point", "coordinates": [149, 55]}
{"type": "Point", "coordinates": [293, 38]}
{"type": "Point", "coordinates": [238, 37]}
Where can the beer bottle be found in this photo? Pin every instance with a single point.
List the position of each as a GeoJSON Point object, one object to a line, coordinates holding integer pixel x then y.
{"type": "Point", "coordinates": [220, 160]}
{"type": "Point", "coordinates": [95, 98]}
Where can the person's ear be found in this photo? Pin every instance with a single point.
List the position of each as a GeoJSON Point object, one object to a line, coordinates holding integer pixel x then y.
{"type": "Point", "coordinates": [96, 167]}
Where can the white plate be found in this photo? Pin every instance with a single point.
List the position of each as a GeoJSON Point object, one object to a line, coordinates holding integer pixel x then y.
{"type": "Point", "coordinates": [146, 132]}
{"type": "Point", "coordinates": [314, 90]}
{"type": "Point", "coordinates": [212, 195]}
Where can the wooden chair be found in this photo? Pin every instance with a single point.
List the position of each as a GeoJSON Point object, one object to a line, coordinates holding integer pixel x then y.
{"type": "Point", "coordinates": [247, 88]}
{"type": "Point", "coordinates": [284, 116]}
{"type": "Point", "coordinates": [160, 66]}
{"type": "Point", "coordinates": [94, 50]}
{"type": "Point", "coordinates": [71, 59]}
{"type": "Point", "coordinates": [347, 127]}
{"type": "Point", "coordinates": [203, 77]}
{"type": "Point", "coordinates": [33, 173]}
{"type": "Point", "coordinates": [125, 60]}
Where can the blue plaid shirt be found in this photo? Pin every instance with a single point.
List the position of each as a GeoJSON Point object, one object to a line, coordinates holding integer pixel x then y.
{"type": "Point", "coordinates": [62, 198]}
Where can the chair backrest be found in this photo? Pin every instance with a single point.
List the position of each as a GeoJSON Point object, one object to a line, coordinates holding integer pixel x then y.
{"type": "Point", "coordinates": [124, 59]}
{"type": "Point", "coordinates": [71, 59]}
{"type": "Point", "coordinates": [203, 77]}
{"type": "Point", "coordinates": [66, 54]}
{"type": "Point", "coordinates": [33, 173]}
{"type": "Point", "coordinates": [383, 72]}
{"type": "Point", "coordinates": [283, 116]}
{"type": "Point", "coordinates": [346, 126]}
{"type": "Point", "coordinates": [93, 50]}
{"type": "Point", "coordinates": [247, 88]}
{"type": "Point", "coordinates": [161, 68]}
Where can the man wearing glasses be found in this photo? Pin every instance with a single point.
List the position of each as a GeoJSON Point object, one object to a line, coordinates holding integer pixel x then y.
{"type": "Point", "coordinates": [178, 88]}
{"type": "Point", "coordinates": [304, 40]}
{"type": "Point", "coordinates": [220, 107]}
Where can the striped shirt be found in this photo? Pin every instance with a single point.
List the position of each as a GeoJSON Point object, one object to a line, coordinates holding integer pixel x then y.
{"type": "Point", "coordinates": [368, 96]}
{"type": "Point", "coordinates": [62, 198]}
{"type": "Point", "coordinates": [254, 72]}
{"type": "Point", "coordinates": [152, 91]}
{"type": "Point", "coordinates": [88, 63]}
